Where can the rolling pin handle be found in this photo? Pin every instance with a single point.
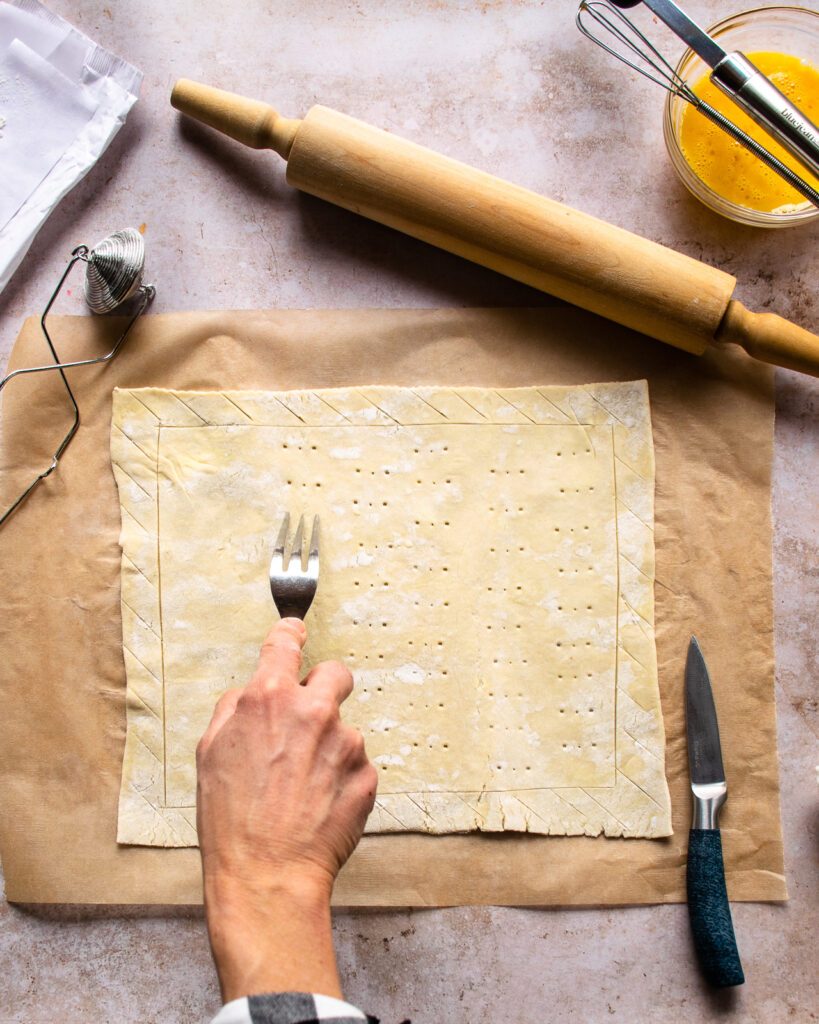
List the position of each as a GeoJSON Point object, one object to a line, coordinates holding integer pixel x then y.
{"type": "Point", "coordinates": [250, 122]}
{"type": "Point", "coordinates": [528, 237]}
{"type": "Point", "coordinates": [770, 338]}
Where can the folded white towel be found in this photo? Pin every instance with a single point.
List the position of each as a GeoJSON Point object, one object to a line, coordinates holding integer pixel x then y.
{"type": "Point", "coordinates": [62, 100]}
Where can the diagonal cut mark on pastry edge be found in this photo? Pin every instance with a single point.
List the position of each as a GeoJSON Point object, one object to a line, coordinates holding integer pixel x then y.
{"type": "Point", "coordinates": [487, 570]}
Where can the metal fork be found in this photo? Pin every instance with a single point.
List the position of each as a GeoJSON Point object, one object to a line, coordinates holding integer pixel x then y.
{"type": "Point", "coordinates": [293, 580]}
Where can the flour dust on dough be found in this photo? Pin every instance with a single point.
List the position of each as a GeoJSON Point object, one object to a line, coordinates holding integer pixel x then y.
{"type": "Point", "coordinates": [487, 572]}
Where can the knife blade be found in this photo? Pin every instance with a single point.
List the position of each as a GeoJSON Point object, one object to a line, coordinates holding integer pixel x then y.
{"type": "Point", "coordinates": [708, 907]}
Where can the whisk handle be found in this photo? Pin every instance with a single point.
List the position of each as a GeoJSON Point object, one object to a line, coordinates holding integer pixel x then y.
{"type": "Point", "coordinates": [771, 109]}
{"type": "Point", "coordinates": [750, 143]}
{"type": "Point", "coordinates": [770, 338]}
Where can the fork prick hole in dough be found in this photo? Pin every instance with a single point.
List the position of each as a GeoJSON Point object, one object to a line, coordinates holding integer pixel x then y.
{"type": "Point", "coordinates": [533, 498]}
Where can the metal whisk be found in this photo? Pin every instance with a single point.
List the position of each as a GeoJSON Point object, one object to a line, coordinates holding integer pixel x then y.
{"type": "Point", "coordinates": [629, 45]}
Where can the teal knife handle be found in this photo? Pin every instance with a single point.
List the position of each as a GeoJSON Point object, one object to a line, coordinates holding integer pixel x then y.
{"type": "Point", "coordinates": [709, 910]}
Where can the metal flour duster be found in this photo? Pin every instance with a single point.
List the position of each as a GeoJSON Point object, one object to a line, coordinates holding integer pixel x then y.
{"type": "Point", "coordinates": [113, 276]}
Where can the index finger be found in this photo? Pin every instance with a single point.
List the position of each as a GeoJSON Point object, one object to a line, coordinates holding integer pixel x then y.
{"type": "Point", "coordinates": [281, 653]}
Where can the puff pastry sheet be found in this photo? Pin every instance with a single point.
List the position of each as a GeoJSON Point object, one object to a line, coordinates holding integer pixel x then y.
{"type": "Point", "coordinates": [487, 571]}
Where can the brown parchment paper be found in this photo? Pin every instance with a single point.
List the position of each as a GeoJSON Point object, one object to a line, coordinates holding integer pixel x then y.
{"type": "Point", "coordinates": [62, 680]}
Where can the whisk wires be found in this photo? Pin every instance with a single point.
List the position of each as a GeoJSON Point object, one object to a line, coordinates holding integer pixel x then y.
{"type": "Point", "coordinates": [649, 62]}
{"type": "Point", "coordinates": [634, 49]}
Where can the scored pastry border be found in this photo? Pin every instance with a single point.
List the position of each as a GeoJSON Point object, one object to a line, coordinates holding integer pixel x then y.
{"type": "Point", "coordinates": [138, 416]}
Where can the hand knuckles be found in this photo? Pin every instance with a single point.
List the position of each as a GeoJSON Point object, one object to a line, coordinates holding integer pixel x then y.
{"type": "Point", "coordinates": [277, 651]}
{"type": "Point", "coordinates": [321, 708]}
{"type": "Point", "coordinates": [269, 685]}
{"type": "Point", "coordinates": [269, 647]}
{"type": "Point", "coordinates": [354, 742]}
{"type": "Point", "coordinates": [342, 673]}
{"type": "Point", "coordinates": [282, 646]}
{"type": "Point", "coordinates": [249, 700]}
{"type": "Point", "coordinates": [336, 671]}
{"type": "Point", "coordinates": [259, 678]}
{"type": "Point", "coordinates": [261, 701]}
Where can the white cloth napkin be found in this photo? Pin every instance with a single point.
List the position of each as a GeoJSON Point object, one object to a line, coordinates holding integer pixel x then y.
{"type": "Point", "coordinates": [62, 100]}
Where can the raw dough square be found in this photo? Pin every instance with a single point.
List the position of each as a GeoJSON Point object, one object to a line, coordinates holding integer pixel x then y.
{"type": "Point", "coordinates": [486, 570]}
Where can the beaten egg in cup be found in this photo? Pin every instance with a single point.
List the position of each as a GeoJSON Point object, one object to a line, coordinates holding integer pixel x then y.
{"type": "Point", "coordinates": [783, 42]}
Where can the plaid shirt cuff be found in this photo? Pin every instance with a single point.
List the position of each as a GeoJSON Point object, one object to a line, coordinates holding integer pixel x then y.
{"type": "Point", "coordinates": [290, 1008]}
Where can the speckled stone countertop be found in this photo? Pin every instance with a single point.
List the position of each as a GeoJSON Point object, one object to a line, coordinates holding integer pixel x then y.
{"type": "Point", "coordinates": [512, 88]}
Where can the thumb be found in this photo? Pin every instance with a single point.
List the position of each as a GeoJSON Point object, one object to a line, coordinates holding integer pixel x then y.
{"type": "Point", "coordinates": [280, 656]}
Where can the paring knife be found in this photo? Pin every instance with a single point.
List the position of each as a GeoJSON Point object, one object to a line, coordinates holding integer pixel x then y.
{"type": "Point", "coordinates": [708, 906]}
{"type": "Point", "coordinates": [745, 84]}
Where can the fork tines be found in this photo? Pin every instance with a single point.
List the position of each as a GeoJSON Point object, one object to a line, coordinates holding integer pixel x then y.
{"type": "Point", "coordinates": [294, 576]}
{"type": "Point", "coordinates": [309, 564]}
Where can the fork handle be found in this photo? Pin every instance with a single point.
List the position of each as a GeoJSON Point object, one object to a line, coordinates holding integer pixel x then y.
{"type": "Point", "coordinates": [287, 610]}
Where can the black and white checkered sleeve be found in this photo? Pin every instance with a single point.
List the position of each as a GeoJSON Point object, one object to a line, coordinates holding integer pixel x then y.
{"type": "Point", "coordinates": [290, 1008]}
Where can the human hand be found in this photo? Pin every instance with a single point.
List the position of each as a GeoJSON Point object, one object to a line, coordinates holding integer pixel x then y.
{"type": "Point", "coordinates": [284, 790]}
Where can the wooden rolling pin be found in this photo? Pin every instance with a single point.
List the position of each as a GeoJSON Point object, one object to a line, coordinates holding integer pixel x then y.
{"type": "Point", "coordinates": [581, 259]}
